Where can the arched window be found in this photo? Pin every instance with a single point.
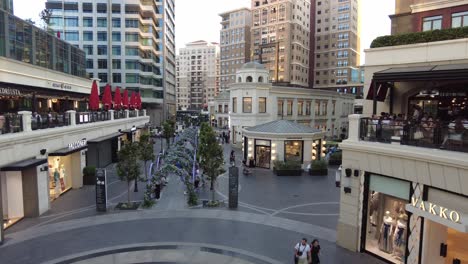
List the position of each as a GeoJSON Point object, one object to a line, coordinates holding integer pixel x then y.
{"type": "Point", "coordinates": [260, 79]}
{"type": "Point", "coordinates": [249, 79]}
{"type": "Point", "coordinates": [239, 80]}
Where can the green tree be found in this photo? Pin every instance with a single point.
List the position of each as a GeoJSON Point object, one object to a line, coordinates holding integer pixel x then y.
{"type": "Point", "coordinates": [45, 16]}
{"type": "Point", "coordinates": [146, 151]}
{"type": "Point", "coordinates": [128, 168]}
{"type": "Point", "coordinates": [168, 131]}
{"type": "Point", "coordinates": [211, 156]}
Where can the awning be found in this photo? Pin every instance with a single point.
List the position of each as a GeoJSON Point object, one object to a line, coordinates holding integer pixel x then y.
{"type": "Point", "coordinates": [381, 93]}
{"type": "Point", "coordinates": [67, 151]}
{"type": "Point", "coordinates": [423, 73]}
{"type": "Point", "coordinates": [104, 138]}
{"type": "Point", "coordinates": [24, 164]}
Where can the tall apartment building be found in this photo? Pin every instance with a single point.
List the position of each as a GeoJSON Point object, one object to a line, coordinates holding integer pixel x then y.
{"type": "Point", "coordinates": [197, 78]}
{"type": "Point", "coordinates": [7, 5]}
{"type": "Point", "coordinates": [128, 43]}
{"type": "Point", "coordinates": [337, 45]}
{"type": "Point", "coordinates": [423, 15]}
{"type": "Point", "coordinates": [235, 43]}
{"type": "Point", "coordinates": [280, 39]}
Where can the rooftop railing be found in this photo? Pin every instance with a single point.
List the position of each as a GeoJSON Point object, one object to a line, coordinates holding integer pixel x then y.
{"type": "Point", "coordinates": [25, 121]}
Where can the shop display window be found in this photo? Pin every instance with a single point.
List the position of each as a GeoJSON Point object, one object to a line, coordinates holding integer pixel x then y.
{"type": "Point", "coordinates": [59, 176]}
{"type": "Point", "coordinates": [387, 220]}
{"type": "Point", "coordinates": [293, 150]}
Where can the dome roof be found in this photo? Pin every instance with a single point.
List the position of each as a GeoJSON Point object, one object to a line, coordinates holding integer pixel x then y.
{"type": "Point", "coordinates": [253, 65]}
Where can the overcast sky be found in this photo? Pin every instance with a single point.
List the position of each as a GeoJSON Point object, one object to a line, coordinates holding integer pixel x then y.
{"type": "Point", "coordinates": [199, 20]}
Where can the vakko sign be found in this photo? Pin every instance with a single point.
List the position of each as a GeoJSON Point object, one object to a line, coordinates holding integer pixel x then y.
{"type": "Point", "coordinates": [436, 210]}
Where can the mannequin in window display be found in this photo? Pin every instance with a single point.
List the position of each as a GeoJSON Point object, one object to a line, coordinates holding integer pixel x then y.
{"type": "Point", "coordinates": [374, 203]}
{"type": "Point", "coordinates": [62, 175]}
{"type": "Point", "coordinates": [57, 182]}
{"type": "Point", "coordinates": [399, 242]}
{"type": "Point", "coordinates": [386, 231]}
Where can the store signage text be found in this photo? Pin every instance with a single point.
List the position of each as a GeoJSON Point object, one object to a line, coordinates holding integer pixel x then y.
{"type": "Point", "coordinates": [61, 86]}
{"type": "Point", "coordinates": [10, 91]}
{"type": "Point", "coordinates": [77, 144]}
{"type": "Point", "coordinates": [436, 210]}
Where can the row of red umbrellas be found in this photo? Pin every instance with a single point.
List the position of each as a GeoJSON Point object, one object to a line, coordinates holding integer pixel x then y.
{"type": "Point", "coordinates": [120, 101]}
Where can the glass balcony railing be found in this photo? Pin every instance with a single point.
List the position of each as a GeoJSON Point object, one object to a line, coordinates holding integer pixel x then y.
{"type": "Point", "coordinates": [449, 135]}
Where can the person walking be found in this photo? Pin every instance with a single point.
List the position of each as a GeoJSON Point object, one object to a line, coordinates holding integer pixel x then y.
{"type": "Point", "coordinates": [302, 252]}
{"type": "Point", "coordinates": [315, 252]}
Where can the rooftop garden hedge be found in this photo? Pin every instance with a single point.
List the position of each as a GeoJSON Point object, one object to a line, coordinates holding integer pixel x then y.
{"type": "Point", "coordinates": [420, 37]}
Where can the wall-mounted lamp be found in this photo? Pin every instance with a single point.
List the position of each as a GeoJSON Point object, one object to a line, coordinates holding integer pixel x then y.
{"type": "Point", "coordinates": [347, 189]}
{"type": "Point", "coordinates": [44, 168]}
{"type": "Point", "coordinates": [443, 250]}
{"type": "Point", "coordinates": [356, 173]}
{"type": "Point", "coordinates": [348, 172]}
{"type": "Point", "coordinates": [43, 151]}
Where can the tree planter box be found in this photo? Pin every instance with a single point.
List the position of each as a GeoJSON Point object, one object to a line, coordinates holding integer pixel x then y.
{"type": "Point", "coordinates": [288, 172]}
{"type": "Point", "coordinates": [206, 204]}
{"type": "Point", "coordinates": [334, 162]}
{"type": "Point", "coordinates": [125, 206]}
{"type": "Point", "coordinates": [323, 172]}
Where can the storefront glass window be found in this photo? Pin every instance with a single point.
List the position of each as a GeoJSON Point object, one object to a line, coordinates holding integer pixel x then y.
{"type": "Point", "coordinates": [387, 220]}
{"type": "Point", "coordinates": [293, 150]}
{"type": "Point", "coordinates": [60, 179]}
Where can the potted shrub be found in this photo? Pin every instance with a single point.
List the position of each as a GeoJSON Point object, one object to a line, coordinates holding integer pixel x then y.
{"type": "Point", "coordinates": [287, 168]}
{"type": "Point", "coordinates": [89, 175]}
{"type": "Point", "coordinates": [335, 158]}
{"type": "Point", "coordinates": [318, 168]}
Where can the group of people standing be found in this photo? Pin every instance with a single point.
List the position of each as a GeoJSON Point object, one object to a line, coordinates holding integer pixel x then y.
{"type": "Point", "coordinates": [305, 253]}
{"type": "Point", "coordinates": [224, 137]}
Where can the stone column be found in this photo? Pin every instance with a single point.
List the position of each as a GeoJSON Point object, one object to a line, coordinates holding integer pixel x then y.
{"type": "Point", "coordinates": [144, 112]}
{"type": "Point", "coordinates": [285, 107]}
{"type": "Point", "coordinates": [72, 114]}
{"type": "Point", "coordinates": [127, 113]}
{"type": "Point", "coordinates": [26, 120]}
{"type": "Point", "coordinates": [137, 112]}
{"type": "Point", "coordinates": [295, 109]}
{"type": "Point", "coordinates": [312, 113]}
{"type": "Point", "coordinates": [353, 133]}
{"type": "Point", "coordinates": [111, 113]}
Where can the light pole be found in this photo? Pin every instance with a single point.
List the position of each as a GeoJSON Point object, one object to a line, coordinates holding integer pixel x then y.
{"type": "Point", "coordinates": [133, 130]}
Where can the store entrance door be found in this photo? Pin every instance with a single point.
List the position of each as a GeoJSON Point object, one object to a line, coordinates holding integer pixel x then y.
{"type": "Point", "coordinates": [262, 156]}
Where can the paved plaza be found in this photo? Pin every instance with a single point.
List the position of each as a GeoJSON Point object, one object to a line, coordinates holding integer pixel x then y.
{"type": "Point", "coordinates": [274, 213]}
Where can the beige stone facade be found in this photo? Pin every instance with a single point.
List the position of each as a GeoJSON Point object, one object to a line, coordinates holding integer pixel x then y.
{"type": "Point", "coordinates": [337, 45]}
{"type": "Point", "coordinates": [197, 75]}
{"type": "Point", "coordinates": [281, 39]}
{"type": "Point", "coordinates": [234, 44]}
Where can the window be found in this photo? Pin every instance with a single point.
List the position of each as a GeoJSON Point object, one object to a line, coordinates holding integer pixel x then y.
{"type": "Point", "coordinates": [87, 35]}
{"type": "Point", "coordinates": [131, 37]}
{"type": "Point", "coordinates": [116, 36]}
{"type": "Point", "coordinates": [317, 108]}
{"type": "Point", "coordinates": [260, 79]}
{"type": "Point", "coordinates": [87, 21]}
{"type": "Point", "coordinates": [246, 104]}
{"type": "Point", "coordinates": [289, 108]}
{"type": "Point", "coordinates": [116, 50]}
{"type": "Point", "coordinates": [300, 111]}
{"type": "Point", "coordinates": [102, 36]}
{"type": "Point", "coordinates": [249, 79]}
{"type": "Point", "coordinates": [71, 35]}
{"type": "Point", "coordinates": [262, 104]}
{"type": "Point", "coordinates": [460, 19]}
{"type": "Point", "coordinates": [116, 64]}
{"type": "Point", "coordinates": [116, 78]}
{"type": "Point", "coordinates": [116, 22]}
{"type": "Point", "coordinates": [131, 65]}
{"type": "Point", "coordinates": [102, 64]}
{"type": "Point", "coordinates": [280, 108]}
{"type": "Point", "coordinates": [102, 50]}
{"type": "Point", "coordinates": [103, 77]}
{"type": "Point", "coordinates": [89, 64]}
{"type": "Point", "coordinates": [234, 104]}
{"type": "Point", "coordinates": [71, 21]}
{"type": "Point", "coordinates": [131, 78]}
{"type": "Point", "coordinates": [131, 23]}
{"type": "Point", "coordinates": [308, 108]}
{"type": "Point", "coordinates": [131, 51]}
{"type": "Point", "coordinates": [102, 22]}
{"type": "Point", "coordinates": [432, 23]}
{"type": "Point", "coordinates": [88, 49]}
{"type": "Point", "coordinates": [293, 150]}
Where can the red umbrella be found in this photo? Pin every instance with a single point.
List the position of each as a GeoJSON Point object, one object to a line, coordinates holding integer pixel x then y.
{"type": "Point", "coordinates": [107, 97]}
{"type": "Point", "coordinates": [94, 97]}
{"type": "Point", "coordinates": [117, 99]}
{"type": "Point", "coordinates": [125, 99]}
{"type": "Point", "coordinates": [133, 100]}
{"type": "Point", "coordinates": [138, 101]}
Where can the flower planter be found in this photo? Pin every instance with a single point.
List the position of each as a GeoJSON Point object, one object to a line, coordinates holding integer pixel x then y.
{"type": "Point", "coordinates": [125, 206]}
{"type": "Point", "coordinates": [320, 172]}
{"type": "Point", "coordinates": [288, 172]}
{"type": "Point", "coordinates": [334, 162]}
